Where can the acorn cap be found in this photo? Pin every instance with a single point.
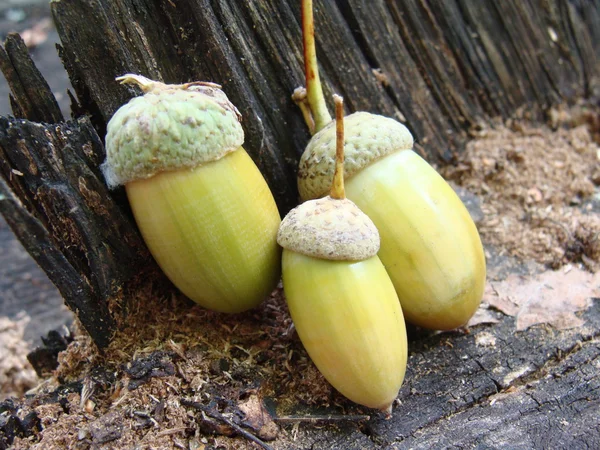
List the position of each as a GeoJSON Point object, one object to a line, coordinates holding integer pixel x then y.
{"type": "Point", "coordinates": [170, 127]}
{"type": "Point", "coordinates": [368, 138]}
{"type": "Point", "coordinates": [331, 229]}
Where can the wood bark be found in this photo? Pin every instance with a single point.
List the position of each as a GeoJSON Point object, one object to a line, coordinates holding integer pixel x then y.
{"type": "Point", "coordinates": [445, 68]}
{"type": "Point", "coordinates": [53, 197]}
{"type": "Point", "coordinates": [490, 388]}
{"type": "Point", "coordinates": [535, 389]}
{"type": "Point", "coordinates": [448, 66]}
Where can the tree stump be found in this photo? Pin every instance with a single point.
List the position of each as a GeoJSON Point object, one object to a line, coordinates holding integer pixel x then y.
{"type": "Point", "coordinates": [445, 69]}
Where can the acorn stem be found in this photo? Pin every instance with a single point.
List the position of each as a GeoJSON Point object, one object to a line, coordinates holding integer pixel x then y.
{"type": "Point", "coordinates": [145, 84]}
{"type": "Point", "coordinates": [316, 99]}
{"type": "Point", "coordinates": [387, 410]}
{"type": "Point", "coordinates": [337, 187]}
{"type": "Point", "coordinates": [299, 97]}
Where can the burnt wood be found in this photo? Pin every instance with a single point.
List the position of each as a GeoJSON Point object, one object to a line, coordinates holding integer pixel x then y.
{"type": "Point", "coordinates": [445, 68]}
{"type": "Point", "coordinates": [65, 217]}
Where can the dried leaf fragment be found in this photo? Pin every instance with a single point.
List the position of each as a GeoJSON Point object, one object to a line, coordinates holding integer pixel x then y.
{"type": "Point", "coordinates": [550, 297]}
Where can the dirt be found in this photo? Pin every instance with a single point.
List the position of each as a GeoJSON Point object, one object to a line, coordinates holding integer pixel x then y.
{"type": "Point", "coordinates": [230, 362]}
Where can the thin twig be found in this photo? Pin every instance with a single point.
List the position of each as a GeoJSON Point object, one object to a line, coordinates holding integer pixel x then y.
{"type": "Point", "coordinates": [328, 418]}
{"type": "Point", "coordinates": [300, 98]}
{"type": "Point", "coordinates": [217, 415]}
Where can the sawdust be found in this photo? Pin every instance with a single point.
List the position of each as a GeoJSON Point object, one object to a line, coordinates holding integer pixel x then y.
{"type": "Point", "coordinates": [534, 183]}
{"type": "Point", "coordinates": [536, 187]}
{"type": "Point", "coordinates": [16, 374]}
{"type": "Point", "coordinates": [130, 394]}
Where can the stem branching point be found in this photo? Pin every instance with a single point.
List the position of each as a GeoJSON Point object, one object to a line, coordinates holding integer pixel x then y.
{"type": "Point", "coordinates": [337, 188]}
{"type": "Point", "coordinates": [316, 99]}
{"type": "Point", "coordinates": [299, 97]}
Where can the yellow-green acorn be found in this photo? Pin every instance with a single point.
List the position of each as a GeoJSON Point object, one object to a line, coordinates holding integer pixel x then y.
{"type": "Point", "coordinates": [201, 204]}
{"type": "Point", "coordinates": [429, 243]}
{"type": "Point", "coordinates": [340, 297]}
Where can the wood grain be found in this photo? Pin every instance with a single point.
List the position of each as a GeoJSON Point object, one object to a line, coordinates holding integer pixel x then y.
{"type": "Point", "coordinates": [443, 67]}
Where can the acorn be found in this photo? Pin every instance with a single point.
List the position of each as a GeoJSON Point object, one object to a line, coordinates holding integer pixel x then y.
{"type": "Point", "coordinates": [342, 302]}
{"type": "Point", "coordinates": [201, 204]}
{"type": "Point", "coordinates": [429, 243]}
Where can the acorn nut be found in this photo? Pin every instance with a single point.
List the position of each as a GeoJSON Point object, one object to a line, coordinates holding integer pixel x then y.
{"type": "Point", "coordinates": [201, 204]}
{"type": "Point", "coordinates": [429, 243]}
{"type": "Point", "coordinates": [341, 299]}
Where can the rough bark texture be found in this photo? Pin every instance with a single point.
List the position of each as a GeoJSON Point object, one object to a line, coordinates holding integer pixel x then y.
{"type": "Point", "coordinates": [65, 217]}
{"type": "Point", "coordinates": [535, 389]}
{"type": "Point", "coordinates": [446, 67]}
{"type": "Point", "coordinates": [53, 197]}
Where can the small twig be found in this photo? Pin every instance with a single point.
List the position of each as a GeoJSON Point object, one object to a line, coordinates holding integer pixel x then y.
{"type": "Point", "coordinates": [171, 431]}
{"type": "Point", "coordinates": [300, 98]}
{"type": "Point", "coordinates": [217, 415]}
{"type": "Point", "coordinates": [328, 418]}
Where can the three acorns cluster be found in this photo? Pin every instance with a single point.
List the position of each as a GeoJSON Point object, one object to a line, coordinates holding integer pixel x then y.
{"type": "Point", "coordinates": [380, 237]}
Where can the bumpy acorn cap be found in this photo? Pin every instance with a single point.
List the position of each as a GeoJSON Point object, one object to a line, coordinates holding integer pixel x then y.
{"type": "Point", "coordinates": [170, 127]}
{"type": "Point", "coordinates": [369, 137]}
{"type": "Point", "coordinates": [327, 228]}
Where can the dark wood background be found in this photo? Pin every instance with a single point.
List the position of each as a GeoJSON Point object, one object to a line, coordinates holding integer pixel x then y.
{"type": "Point", "coordinates": [445, 68]}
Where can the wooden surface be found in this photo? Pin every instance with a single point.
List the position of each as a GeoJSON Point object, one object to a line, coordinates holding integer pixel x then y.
{"type": "Point", "coordinates": [444, 68]}
{"type": "Point", "coordinates": [491, 388]}
{"type": "Point", "coordinates": [534, 389]}
{"type": "Point", "coordinates": [448, 66]}
{"type": "Point", "coordinates": [54, 198]}
{"type": "Point", "coordinates": [63, 216]}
